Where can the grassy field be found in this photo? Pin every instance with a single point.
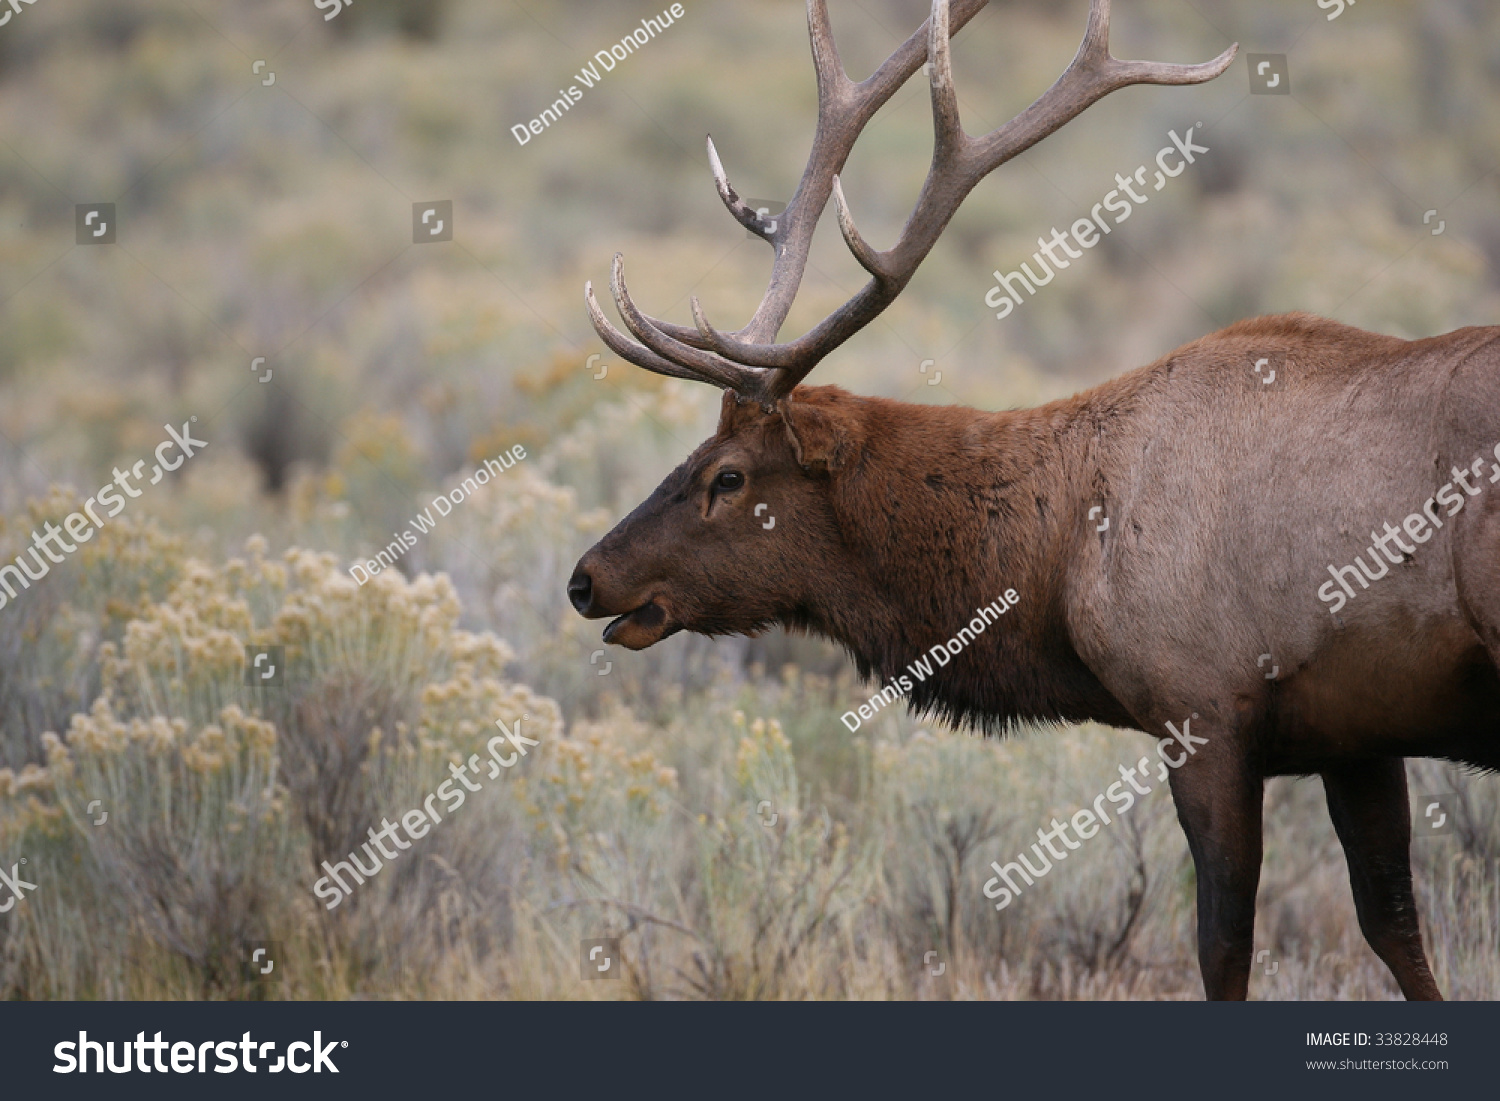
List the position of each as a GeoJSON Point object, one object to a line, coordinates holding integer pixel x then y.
{"type": "Point", "coordinates": [700, 802]}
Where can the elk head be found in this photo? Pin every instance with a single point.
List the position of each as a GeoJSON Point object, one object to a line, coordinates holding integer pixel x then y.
{"type": "Point", "coordinates": [698, 554]}
{"type": "Point", "coordinates": [722, 545]}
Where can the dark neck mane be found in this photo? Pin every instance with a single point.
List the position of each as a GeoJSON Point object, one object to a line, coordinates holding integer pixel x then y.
{"type": "Point", "coordinates": [953, 508]}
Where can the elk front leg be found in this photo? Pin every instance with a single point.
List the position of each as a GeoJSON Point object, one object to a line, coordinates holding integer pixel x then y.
{"type": "Point", "coordinates": [1368, 804]}
{"type": "Point", "coordinates": [1219, 798]}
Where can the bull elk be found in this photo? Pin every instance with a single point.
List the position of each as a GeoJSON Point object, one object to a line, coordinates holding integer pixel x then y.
{"type": "Point", "coordinates": [1228, 505]}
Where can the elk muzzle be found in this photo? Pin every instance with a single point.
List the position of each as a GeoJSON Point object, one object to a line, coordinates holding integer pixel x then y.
{"type": "Point", "coordinates": [641, 620]}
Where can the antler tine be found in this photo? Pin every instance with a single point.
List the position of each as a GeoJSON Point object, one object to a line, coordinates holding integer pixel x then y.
{"type": "Point", "coordinates": [948, 135]}
{"type": "Point", "coordinates": [825, 48]}
{"type": "Point", "coordinates": [628, 349]}
{"type": "Point", "coordinates": [705, 366]}
{"type": "Point", "coordinates": [868, 257]}
{"type": "Point", "coordinates": [747, 217]}
{"type": "Point", "coordinates": [948, 144]}
{"type": "Point", "coordinates": [743, 214]}
{"type": "Point", "coordinates": [1093, 74]}
{"type": "Point", "coordinates": [1094, 51]}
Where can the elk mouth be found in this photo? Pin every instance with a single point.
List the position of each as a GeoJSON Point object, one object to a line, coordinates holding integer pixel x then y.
{"type": "Point", "coordinates": [638, 629]}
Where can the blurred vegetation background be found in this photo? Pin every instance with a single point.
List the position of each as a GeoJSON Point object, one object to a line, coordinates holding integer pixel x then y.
{"type": "Point", "coordinates": [271, 219]}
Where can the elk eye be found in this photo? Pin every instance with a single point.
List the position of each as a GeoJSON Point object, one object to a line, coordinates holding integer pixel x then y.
{"type": "Point", "coordinates": [729, 479]}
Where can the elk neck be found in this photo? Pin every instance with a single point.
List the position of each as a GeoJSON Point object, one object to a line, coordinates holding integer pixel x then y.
{"type": "Point", "coordinates": [943, 510]}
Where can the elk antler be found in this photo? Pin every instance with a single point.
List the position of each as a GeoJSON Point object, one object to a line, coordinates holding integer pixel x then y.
{"type": "Point", "coordinates": [747, 361]}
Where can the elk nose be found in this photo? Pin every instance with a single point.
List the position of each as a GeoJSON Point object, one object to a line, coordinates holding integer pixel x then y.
{"type": "Point", "coordinates": [581, 591]}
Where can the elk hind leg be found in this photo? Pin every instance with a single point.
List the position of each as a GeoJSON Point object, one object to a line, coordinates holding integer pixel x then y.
{"type": "Point", "coordinates": [1368, 804]}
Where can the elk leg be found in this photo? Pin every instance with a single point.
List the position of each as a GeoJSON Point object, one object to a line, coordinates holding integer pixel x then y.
{"type": "Point", "coordinates": [1368, 804]}
{"type": "Point", "coordinates": [1219, 798]}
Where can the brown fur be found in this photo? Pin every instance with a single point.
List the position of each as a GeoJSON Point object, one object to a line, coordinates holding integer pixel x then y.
{"type": "Point", "coordinates": [1226, 498]}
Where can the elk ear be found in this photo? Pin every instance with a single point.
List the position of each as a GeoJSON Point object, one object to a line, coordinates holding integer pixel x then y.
{"type": "Point", "coordinates": [820, 437]}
